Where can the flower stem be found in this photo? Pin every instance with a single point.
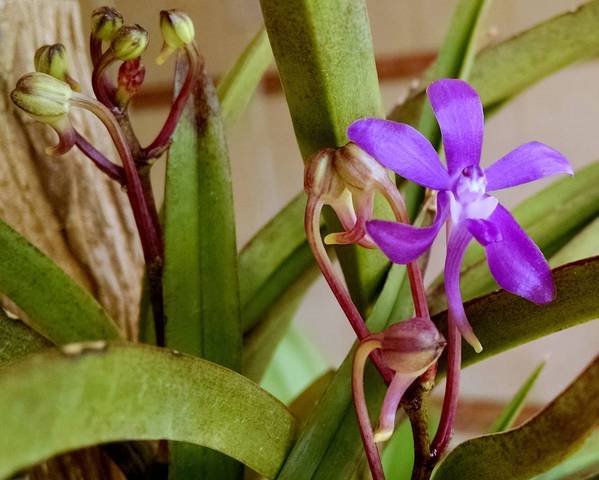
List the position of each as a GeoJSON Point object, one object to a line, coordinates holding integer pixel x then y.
{"type": "Point", "coordinates": [365, 348]}
{"type": "Point", "coordinates": [452, 388]}
{"type": "Point", "coordinates": [160, 143]}
{"type": "Point", "coordinates": [312, 226]}
{"type": "Point", "coordinates": [100, 83]}
{"type": "Point", "coordinates": [113, 171]}
{"type": "Point", "coordinates": [396, 201]}
{"type": "Point", "coordinates": [148, 228]}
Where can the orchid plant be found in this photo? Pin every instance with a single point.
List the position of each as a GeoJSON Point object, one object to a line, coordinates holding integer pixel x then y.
{"type": "Point", "coordinates": [193, 396]}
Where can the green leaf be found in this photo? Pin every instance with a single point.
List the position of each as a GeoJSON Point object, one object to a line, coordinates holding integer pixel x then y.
{"type": "Point", "coordinates": [583, 245]}
{"type": "Point", "coordinates": [584, 464]}
{"type": "Point", "coordinates": [55, 305]}
{"type": "Point", "coordinates": [295, 365]}
{"type": "Point", "coordinates": [239, 84]}
{"type": "Point", "coordinates": [17, 340]}
{"type": "Point", "coordinates": [54, 402]}
{"type": "Point", "coordinates": [551, 218]}
{"type": "Point", "coordinates": [502, 320]}
{"type": "Point", "coordinates": [456, 56]}
{"type": "Point", "coordinates": [507, 68]}
{"type": "Point", "coordinates": [536, 446]}
{"type": "Point", "coordinates": [261, 343]}
{"type": "Point", "coordinates": [512, 410]}
{"type": "Point", "coordinates": [324, 55]}
{"type": "Point", "coordinates": [319, 431]}
{"type": "Point", "coordinates": [272, 261]}
{"type": "Point", "coordinates": [304, 403]}
{"type": "Point", "coordinates": [201, 296]}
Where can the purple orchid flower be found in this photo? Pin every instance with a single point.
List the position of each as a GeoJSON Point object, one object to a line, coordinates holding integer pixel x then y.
{"type": "Point", "coordinates": [463, 199]}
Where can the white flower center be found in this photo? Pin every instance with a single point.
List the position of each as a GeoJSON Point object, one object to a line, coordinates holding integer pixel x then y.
{"type": "Point", "coordinates": [468, 198]}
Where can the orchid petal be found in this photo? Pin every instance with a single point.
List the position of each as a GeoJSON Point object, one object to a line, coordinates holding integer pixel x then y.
{"type": "Point", "coordinates": [459, 113]}
{"type": "Point", "coordinates": [517, 263]}
{"type": "Point", "coordinates": [402, 149]}
{"type": "Point", "coordinates": [484, 231]}
{"type": "Point", "coordinates": [403, 243]}
{"type": "Point", "coordinates": [456, 246]}
{"type": "Point", "coordinates": [526, 163]}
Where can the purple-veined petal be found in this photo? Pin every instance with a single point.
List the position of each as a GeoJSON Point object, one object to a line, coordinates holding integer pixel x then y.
{"type": "Point", "coordinates": [517, 263]}
{"type": "Point", "coordinates": [402, 149]}
{"type": "Point", "coordinates": [459, 113]}
{"type": "Point", "coordinates": [484, 231]}
{"type": "Point", "coordinates": [403, 243]}
{"type": "Point", "coordinates": [526, 163]}
{"type": "Point", "coordinates": [459, 239]}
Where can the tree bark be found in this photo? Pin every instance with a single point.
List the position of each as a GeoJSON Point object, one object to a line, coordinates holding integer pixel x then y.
{"type": "Point", "coordinates": [64, 205]}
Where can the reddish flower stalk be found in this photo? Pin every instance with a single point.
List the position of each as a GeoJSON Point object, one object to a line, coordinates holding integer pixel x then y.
{"type": "Point", "coordinates": [312, 226]}
{"type": "Point", "coordinates": [162, 140]}
{"type": "Point", "coordinates": [149, 232]}
{"type": "Point", "coordinates": [366, 348]}
{"type": "Point", "coordinates": [113, 171]}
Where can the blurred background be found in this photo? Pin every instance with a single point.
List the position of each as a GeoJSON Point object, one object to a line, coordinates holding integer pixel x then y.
{"type": "Point", "coordinates": [267, 169]}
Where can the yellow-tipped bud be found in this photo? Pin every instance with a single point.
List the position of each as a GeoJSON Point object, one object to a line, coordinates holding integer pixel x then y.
{"type": "Point", "coordinates": [53, 60]}
{"type": "Point", "coordinates": [42, 96]}
{"type": "Point", "coordinates": [177, 28]}
{"type": "Point", "coordinates": [177, 32]}
{"type": "Point", "coordinates": [106, 22]}
{"type": "Point", "coordinates": [130, 42]}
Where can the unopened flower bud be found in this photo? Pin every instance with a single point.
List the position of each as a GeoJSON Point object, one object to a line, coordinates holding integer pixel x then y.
{"type": "Point", "coordinates": [358, 169]}
{"type": "Point", "coordinates": [130, 78]}
{"type": "Point", "coordinates": [130, 42]}
{"type": "Point", "coordinates": [47, 100]}
{"type": "Point", "coordinates": [412, 346]}
{"type": "Point", "coordinates": [320, 178]}
{"type": "Point", "coordinates": [106, 22]}
{"type": "Point", "coordinates": [42, 96]}
{"type": "Point", "coordinates": [177, 32]}
{"type": "Point", "coordinates": [52, 60]}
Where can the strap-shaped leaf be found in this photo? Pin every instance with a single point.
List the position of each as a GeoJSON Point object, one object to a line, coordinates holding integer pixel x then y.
{"type": "Point", "coordinates": [551, 217]}
{"type": "Point", "coordinates": [323, 52]}
{"type": "Point", "coordinates": [261, 342]}
{"type": "Point", "coordinates": [56, 306]}
{"type": "Point", "coordinates": [583, 245]}
{"type": "Point", "coordinates": [201, 291]}
{"type": "Point", "coordinates": [503, 321]}
{"type": "Point", "coordinates": [239, 84]}
{"type": "Point", "coordinates": [17, 340]}
{"type": "Point", "coordinates": [54, 402]}
{"type": "Point", "coordinates": [509, 414]}
{"type": "Point", "coordinates": [536, 446]}
{"type": "Point", "coordinates": [272, 261]}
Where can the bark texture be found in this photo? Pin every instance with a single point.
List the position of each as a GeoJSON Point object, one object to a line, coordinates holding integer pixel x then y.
{"type": "Point", "coordinates": [64, 205]}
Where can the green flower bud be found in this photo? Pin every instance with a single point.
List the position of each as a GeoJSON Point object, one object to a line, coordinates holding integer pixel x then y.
{"type": "Point", "coordinates": [130, 42]}
{"type": "Point", "coordinates": [52, 60]}
{"type": "Point", "coordinates": [177, 31]}
{"type": "Point", "coordinates": [106, 22]}
{"type": "Point", "coordinates": [177, 28]}
{"type": "Point", "coordinates": [42, 96]}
